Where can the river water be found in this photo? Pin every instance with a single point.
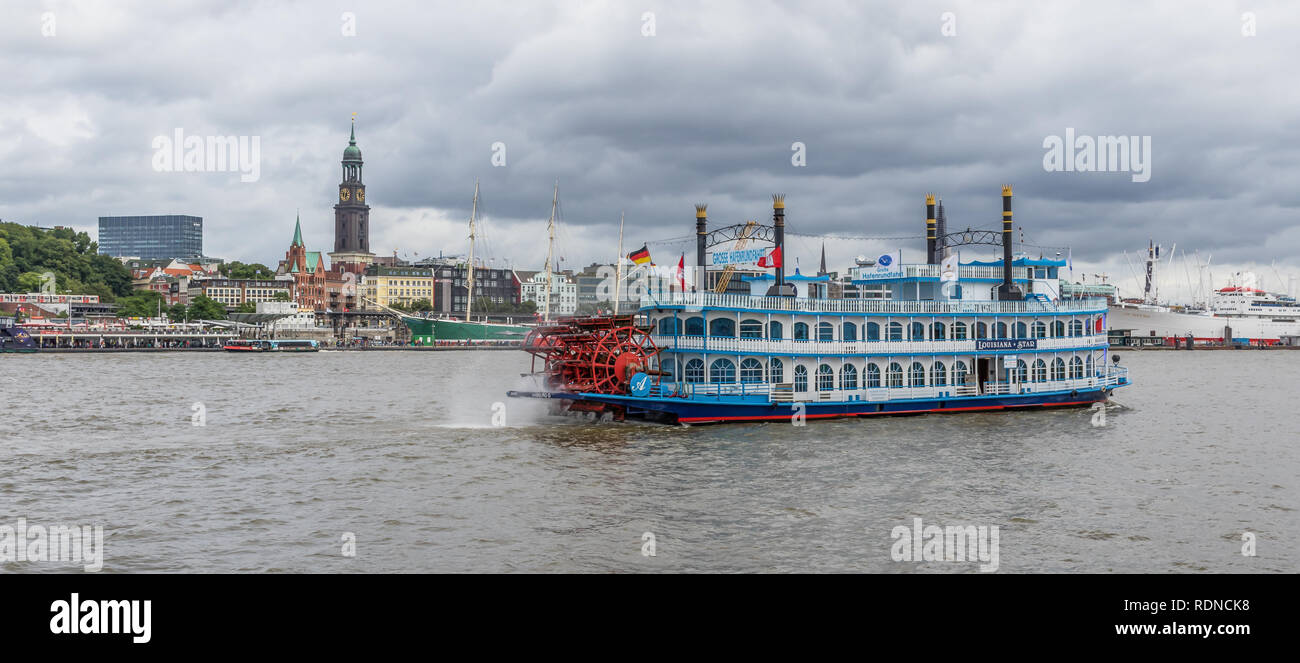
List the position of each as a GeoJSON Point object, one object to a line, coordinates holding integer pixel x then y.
{"type": "Point", "coordinates": [398, 451]}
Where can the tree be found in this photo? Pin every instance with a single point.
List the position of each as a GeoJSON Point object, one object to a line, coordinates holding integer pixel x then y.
{"type": "Point", "coordinates": [205, 308]}
{"type": "Point", "coordinates": [246, 307]}
{"type": "Point", "coordinates": [281, 297]}
{"type": "Point", "coordinates": [140, 304]}
{"type": "Point", "coordinates": [69, 254]}
{"type": "Point", "coordinates": [177, 312]}
{"type": "Point", "coordinates": [422, 305]}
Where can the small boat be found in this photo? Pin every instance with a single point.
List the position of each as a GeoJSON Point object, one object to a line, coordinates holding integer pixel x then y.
{"type": "Point", "coordinates": [275, 345]}
{"type": "Point", "coordinates": [16, 339]}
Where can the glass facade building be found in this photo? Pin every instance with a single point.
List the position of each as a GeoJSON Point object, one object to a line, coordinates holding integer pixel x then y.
{"type": "Point", "coordinates": [151, 237]}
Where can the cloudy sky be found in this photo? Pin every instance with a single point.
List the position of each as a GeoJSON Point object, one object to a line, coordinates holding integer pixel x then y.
{"type": "Point", "coordinates": [649, 107]}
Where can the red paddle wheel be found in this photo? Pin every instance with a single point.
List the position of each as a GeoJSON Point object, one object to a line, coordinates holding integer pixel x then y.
{"type": "Point", "coordinates": [592, 355]}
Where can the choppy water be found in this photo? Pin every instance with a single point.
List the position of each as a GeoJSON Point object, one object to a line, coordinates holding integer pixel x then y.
{"type": "Point", "coordinates": [399, 449]}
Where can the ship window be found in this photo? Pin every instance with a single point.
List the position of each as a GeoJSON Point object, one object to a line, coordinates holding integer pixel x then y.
{"type": "Point", "coordinates": [669, 366]}
{"type": "Point", "coordinates": [849, 377]}
{"type": "Point", "coordinates": [873, 376]}
{"type": "Point", "coordinates": [1058, 329]}
{"type": "Point", "coordinates": [774, 331]}
{"type": "Point", "coordinates": [1040, 329]}
{"type": "Point", "coordinates": [722, 370]}
{"type": "Point", "coordinates": [1087, 367]}
{"type": "Point", "coordinates": [825, 331]}
{"type": "Point", "coordinates": [751, 329]}
{"type": "Point", "coordinates": [916, 331]}
{"type": "Point", "coordinates": [722, 327]}
{"type": "Point", "coordinates": [895, 331]}
{"type": "Point", "coordinates": [776, 370]}
{"type": "Point", "coordinates": [1040, 371]}
{"type": "Point", "coordinates": [916, 376]}
{"type": "Point", "coordinates": [751, 370]}
{"type": "Point", "coordinates": [894, 376]}
{"type": "Point", "coordinates": [958, 331]}
{"type": "Point", "coordinates": [873, 331]}
{"type": "Point", "coordinates": [825, 378]}
{"type": "Point", "coordinates": [1022, 371]}
{"type": "Point", "coordinates": [959, 373]}
{"type": "Point", "coordinates": [695, 326]}
{"type": "Point", "coordinates": [694, 371]}
{"type": "Point", "coordinates": [800, 331]}
{"type": "Point", "coordinates": [981, 330]}
{"type": "Point", "coordinates": [938, 331]}
{"type": "Point", "coordinates": [669, 326]}
{"type": "Point", "coordinates": [1022, 330]}
{"type": "Point", "coordinates": [938, 374]}
{"type": "Point", "coordinates": [800, 378]}
{"type": "Point", "coordinates": [1058, 369]}
{"type": "Point", "coordinates": [1076, 368]}
{"type": "Point", "coordinates": [1001, 330]}
{"type": "Point", "coordinates": [849, 332]}
{"type": "Point", "coordinates": [1076, 328]}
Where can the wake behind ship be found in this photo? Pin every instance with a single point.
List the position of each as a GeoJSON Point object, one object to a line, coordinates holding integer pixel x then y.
{"type": "Point", "coordinates": [941, 336]}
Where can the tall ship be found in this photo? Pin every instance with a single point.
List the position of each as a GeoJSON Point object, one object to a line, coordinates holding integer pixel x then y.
{"type": "Point", "coordinates": [1238, 312]}
{"type": "Point", "coordinates": [938, 336]}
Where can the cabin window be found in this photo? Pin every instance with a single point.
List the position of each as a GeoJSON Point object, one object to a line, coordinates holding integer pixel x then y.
{"type": "Point", "coordinates": [800, 378]}
{"type": "Point", "coordinates": [1001, 329]}
{"type": "Point", "coordinates": [916, 331]}
{"type": "Point", "coordinates": [938, 331]}
{"type": "Point", "coordinates": [981, 330]}
{"type": "Point", "coordinates": [1040, 329]}
{"type": "Point", "coordinates": [873, 331]}
{"type": "Point", "coordinates": [895, 331]}
{"type": "Point", "coordinates": [825, 378]}
{"type": "Point", "coordinates": [751, 329]}
{"type": "Point", "coordinates": [800, 331]}
{"type": "Point", "coordinates": [873, 376]}
{"type": "Point", "coordinates": [849, 331]}
{"type": "Point", "coordinates": [751, 370]}
{"type": "Point", "coordinates": [1022, 371]}
{"type": "Point", "coordinates": [669, 326]}
{"type": "Point", "coordinates": [776, 370]}
{"type": "Point", "coordinates": [669, 366]}
{"type": "Point", "coordinates": [722, 327]}
{"type": "Point", "coordinates": [1076, 368]}
{"type": "Point", "coordinates": [1022, 330]}
{"type": "Point", "coordinates": [1058, 369]}
{"type": "Point", "coordinates": [916, 376]}
{"type": "Point", "coordinates": [825, 331]}
{"type": "Point", "coordinates": [958, 331]}
{"type": "Point", "coordinates": [894, 376]}
{"type": "Point", "coordinates": [694, 371]}
{"type": "Point", "coordinates": [695, 326]}
{"type": "Point", "coordinates": [959, 373]}
{"type": "Point", "coordinates": [849, 377]}
{"type": "Point", "coordinates": [1040, 371]}
{"type": "Point", "coordinates": [774, 331]}
{"type": "Point", "coordinates": [1087, 367]}
{"type": "Point", "coordinates": [722, 370]}
{"type": "Point", "coordinates": [1058, 329]}
{"type": "Point", "coordinates": [1076, 328]}
{"type": "Point", "coordinates": [938, 374]}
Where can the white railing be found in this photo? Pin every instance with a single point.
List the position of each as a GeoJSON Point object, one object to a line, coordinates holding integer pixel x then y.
{"type": "Point", "coordinates": [702, 300]}
{"type": "Point", "coordinates": [831, 348]}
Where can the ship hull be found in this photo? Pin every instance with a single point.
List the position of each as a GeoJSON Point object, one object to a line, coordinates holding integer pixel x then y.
{"type": "Point", "coordinates": [694, 411]}
{"type": "Point", "coordinates": [1164, 323]}
{"type": "Point", "coordinates": [428, 330]}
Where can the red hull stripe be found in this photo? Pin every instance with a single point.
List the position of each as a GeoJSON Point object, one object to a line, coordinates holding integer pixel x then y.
{"type": "Point", "coordinates": [765, 417]}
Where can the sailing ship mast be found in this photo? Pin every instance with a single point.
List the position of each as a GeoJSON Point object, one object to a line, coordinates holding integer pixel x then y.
{"type": "Point", "coordinates": [550, 252]}
{"type": "Point", "coordinates": [618, 272]}
{"type": "Point", "coordinates": [469, 292]}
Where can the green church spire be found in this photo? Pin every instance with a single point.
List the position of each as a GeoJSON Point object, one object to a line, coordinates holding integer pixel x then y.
{"type": "Point", "coordinates": [297, 232]}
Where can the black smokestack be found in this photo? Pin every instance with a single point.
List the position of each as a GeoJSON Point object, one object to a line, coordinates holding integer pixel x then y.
{"type": "Point", "coordinates": [701, 234]}
{"type": "Point", "coordinates": [940, 232]}
{"type": "Point", "coordinates": [1008, 291]}
{"type": "Point", "coordinates": [929, 229]}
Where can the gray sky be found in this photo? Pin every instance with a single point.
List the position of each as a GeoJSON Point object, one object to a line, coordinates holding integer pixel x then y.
{"type": "Point", "coordinates": [706, 109]}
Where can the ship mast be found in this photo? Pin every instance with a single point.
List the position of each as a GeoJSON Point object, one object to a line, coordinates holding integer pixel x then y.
{"type": "Point", "coordinates": [469, 292]}
{"type": "Point", "coordinates": [618, 271]}
{"type": "Point", "coordinates": [550, 253]}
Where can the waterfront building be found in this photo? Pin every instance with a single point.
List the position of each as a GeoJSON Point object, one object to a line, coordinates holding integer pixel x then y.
{"type": "Point", "coordinates": [151, 237]}
{"type": "Point", "coordinates": [315, 286]}
{"type": "Point", "coordinates": [352, 215]}
{"type": "Point", "coordinates": [450, 290]}
{"type": "Point", "coordinates": [564, 291]}
{"type": "Point", "coordinates": [397, 286]}
{"type": "Point", "coordinates": [234, 292]}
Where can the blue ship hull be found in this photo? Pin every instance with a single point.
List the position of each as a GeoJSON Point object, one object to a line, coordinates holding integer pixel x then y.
{"type": "Point", "coordinates": [704, 411]}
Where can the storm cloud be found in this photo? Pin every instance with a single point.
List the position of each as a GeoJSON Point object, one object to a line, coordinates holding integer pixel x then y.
{"type": "Point", "coordinates": [889, 100]}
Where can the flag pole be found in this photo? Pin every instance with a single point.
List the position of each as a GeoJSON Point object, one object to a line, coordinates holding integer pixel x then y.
{"type": "Point", "coordinates": [618, 273]}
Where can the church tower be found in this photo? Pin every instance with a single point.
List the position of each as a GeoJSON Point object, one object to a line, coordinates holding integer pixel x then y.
{"type": "Point", "coordinates": [352, 215]}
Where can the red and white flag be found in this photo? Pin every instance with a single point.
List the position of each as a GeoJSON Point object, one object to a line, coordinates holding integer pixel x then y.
{"type": "Point", "coordinates": [772, 259]}
{"type": "Point", "coordinates": [681, 273]}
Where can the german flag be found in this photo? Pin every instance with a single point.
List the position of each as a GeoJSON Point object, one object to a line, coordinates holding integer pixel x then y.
{"type": "Point", "coordinates": [641, 256]}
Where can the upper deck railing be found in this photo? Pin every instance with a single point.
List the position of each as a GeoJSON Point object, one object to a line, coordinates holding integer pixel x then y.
{"type": "Point", "coordinates": [866, 306]}
{"type": "Point", "coordinates": [932, 272]}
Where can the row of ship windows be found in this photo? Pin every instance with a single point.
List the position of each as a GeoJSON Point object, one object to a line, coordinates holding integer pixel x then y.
{"type": "Point", "coordinates": [872, 331]}
{"type": "Point", "coordinates": [723, 371]}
